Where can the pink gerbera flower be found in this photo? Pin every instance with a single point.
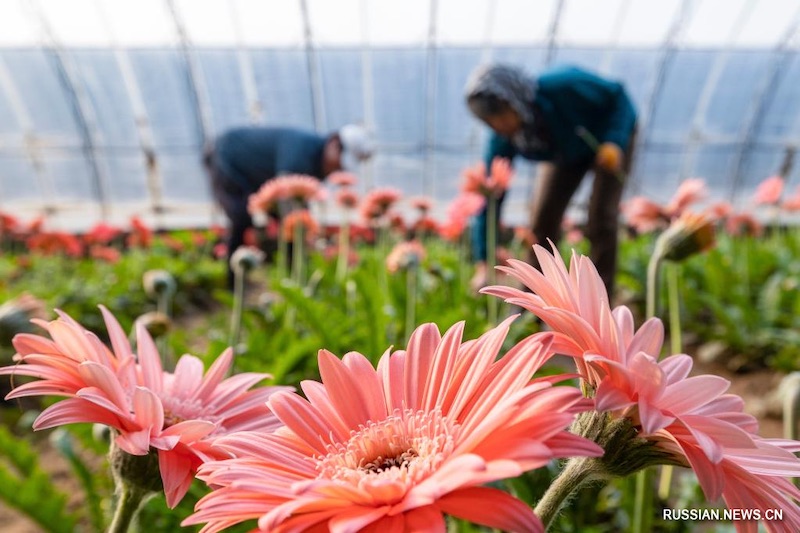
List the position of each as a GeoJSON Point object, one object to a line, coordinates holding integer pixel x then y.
{"type": "Point", "coordinates": [769, 191]}
{"type": "Point", "coordinates": [690, 191]}
{"type": "Point", "coordinates": [691, 419]}
{"type": "Point", "coordinates": [175, 415]}
{"type": "Point", "coordinates": [422, 204]}
{"type": "Point", "coordinates": [644, 215]}
{"type": "Point", "coordinates": [792, 204]}
{"type": "Point", "coordinates": [376, 203]}
{"type": "Point", "coordinates": [404, 255]}
{"type": "Point", "coordinates": [300, 219]}
{"type": "Point", "coordinates": [394, 449]}
{"type": "Point", "coordinates": [494, 184]}
{"type": "Point", "coordinates": [342, 179]}
{"type": "Point", "coordinates": [347, 198]}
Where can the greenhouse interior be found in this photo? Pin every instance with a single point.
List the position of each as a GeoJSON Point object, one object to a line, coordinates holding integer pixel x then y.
{"type": "Point", "coordinates": [334, 265]}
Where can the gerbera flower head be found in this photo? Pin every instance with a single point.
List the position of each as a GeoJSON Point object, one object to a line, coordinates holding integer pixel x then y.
{"type": "Point", "coordinates": [404, 255]}
{"type": "Point", "coordinates": [690, 234]}
{"type": "Point", "coordinates": [399, 446]}
{"type": "Point", "coordinates": [342, 179]}
{"type": "Point", "coordinates": [173, 415]}
{"type": "Point", "coordinates": [465, 205]}
{"type": "Point", "coordinates": [690, 191]}
{"type": "Point", "coordinates": [347, 198]}
{"type": "Point", "coordinates": [644, 215]}
{"type": "Point", "coordinates": [690, 420]}
{"type": "Point", "coordinates": [377, 202]}
{"type": "Point", "coordinates": [492, 185]}
{"type": "Point", "coordinates": [769, 191]}
{"type": "Point", "coordinates": [300, 219]}
{"type": "Point", "coordinates": [422, 204]}
{"type": "Point", "coordinates": [743, 224]}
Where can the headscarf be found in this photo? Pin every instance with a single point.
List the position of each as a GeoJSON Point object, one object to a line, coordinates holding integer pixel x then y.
{"type": "Point", "coordinates": [512, 86]}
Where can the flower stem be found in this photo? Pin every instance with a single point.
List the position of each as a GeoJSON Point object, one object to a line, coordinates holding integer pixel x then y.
{"type": "Point", "coordinates": [676, 346]}
{"type": "Point", "coordinates": [344, 250]}
{"type": "Point", "coordinates": [576, 474]}
{"type": "Point", "coordinates": [642, 506]}
{"type": "Point", "coordinates": [297, 254]}
{"type": "Point", "coordinates": [238, 308]}
{"type": "Point", "coordinates": [673, 282]}
{"type": "Point", "coordinates": [411, 299]}
{"type": "Point", "coordinates": [130, 499]}
{"type": "Point", "coordinates": [283, 250]}
{"type": "Point", "coordinates": [653, 268]}
{"type": "Point", "coordinates": [491, 254]}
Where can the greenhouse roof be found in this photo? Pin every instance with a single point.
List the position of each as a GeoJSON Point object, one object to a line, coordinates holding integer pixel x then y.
{"type": "Point", "coordinates": [106, 104]}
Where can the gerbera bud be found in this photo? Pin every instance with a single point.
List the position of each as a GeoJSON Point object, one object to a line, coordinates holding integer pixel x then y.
{"type": "Point", "coordinates": [157, 324]}
{"type": "Point", "coordinates": [405, 255]}
{"type": "Point", "coordinates": [625, 451]}
{"type": "Point", "coordinates": [158, 282]}
{"type": "Point", "coordinates": [691, 234]}
{"type": "Point", "coordinates": [139, 471]}
{"type": "Point", "coordinates": [246, 258]}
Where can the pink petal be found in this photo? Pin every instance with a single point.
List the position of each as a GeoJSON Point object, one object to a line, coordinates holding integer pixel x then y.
{"type": "Point", "coordinates": [74, 411]}
{"type": "Point", "coordinates": [490, 507]}
{"type": "Point", "coordinates": [149, 359]}
{"type": "Point", "coordinates": [188, 377]}
{"type": "Point", "coordinates": [419, 356]}
{"type": "Point", "coordinates": [147, 409]}
{"type": "Point", "coordinates": [215, 375]}
{"type": "Point", "coordinates": [177, 473]}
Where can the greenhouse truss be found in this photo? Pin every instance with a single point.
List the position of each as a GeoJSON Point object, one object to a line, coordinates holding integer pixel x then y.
{"type": "Point", "coordinates": [105, 105]}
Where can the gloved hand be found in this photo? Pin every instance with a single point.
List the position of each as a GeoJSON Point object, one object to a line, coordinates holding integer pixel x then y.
{"type": "Point", "coordinates": [609, 157]}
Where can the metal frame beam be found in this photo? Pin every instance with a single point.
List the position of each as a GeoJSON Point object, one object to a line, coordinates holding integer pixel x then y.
{"type": "Point", "coordinates": [368, 93]}
{"type": "Point", "coordinates": [552, 33]}
{"type": "Point", "coordinates": [777, 70]}
{"type": "Point", "coordinates": [697, 130]}
{"type": "Point", "coordinates": [84, 112]}
{"type": "Point", "coordinates": [681, 18]}
{"type": "Point", "coordinates": [24, 119]}
{"type": "Point", "coordinates": [255, 108]}
{"type": "Point", "coordinates": [608, 55]}
{"type": "Point", "coordinates": [196, 87]}
{"type": "Point", "coordinates": [430, 100]}
{"type": "Point", "coordinates": [144, 131]}
{"type": "Point", "coordinates": [314, 74]}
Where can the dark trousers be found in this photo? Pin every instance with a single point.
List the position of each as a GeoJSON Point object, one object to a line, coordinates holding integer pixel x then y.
{"type": "Point", "coordinates": [555, 187]}
{"type": "Point", "coordinates": [232, 198]}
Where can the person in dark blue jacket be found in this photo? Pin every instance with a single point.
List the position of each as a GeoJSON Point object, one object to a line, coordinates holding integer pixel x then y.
{"type": "Point", "coordinates": [576, 122]}
{"type": "Point", "coordinates": [240, 160]}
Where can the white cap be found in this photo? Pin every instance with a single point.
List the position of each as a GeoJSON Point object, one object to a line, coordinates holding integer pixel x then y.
{"type": "Point", "coordinates": [357, 146]}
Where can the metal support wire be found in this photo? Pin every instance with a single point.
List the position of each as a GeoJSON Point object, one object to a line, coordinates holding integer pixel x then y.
{"type": "Point", "coordinates": [314, 77]}
{"type": "Point", "coordinates": [24, 119]}
{"type": "Point", "coordinates": [487, 52]}
{"type": "Point", "coordinates": [430, 102]}
{"type": "Point", "coordinates": [84, 112]}
{"type": "Point", "coordinates": [645, 118]}
{"type": "Point", "coordinates": [368, 92]}
{"type": "Point", "coordinates": [697, 131]}
{"type": "Point", "coordinates": [778, 68]}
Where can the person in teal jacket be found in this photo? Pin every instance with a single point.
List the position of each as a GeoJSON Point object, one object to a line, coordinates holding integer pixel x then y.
{"type": "Point", "coordinates": [575, 121]}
